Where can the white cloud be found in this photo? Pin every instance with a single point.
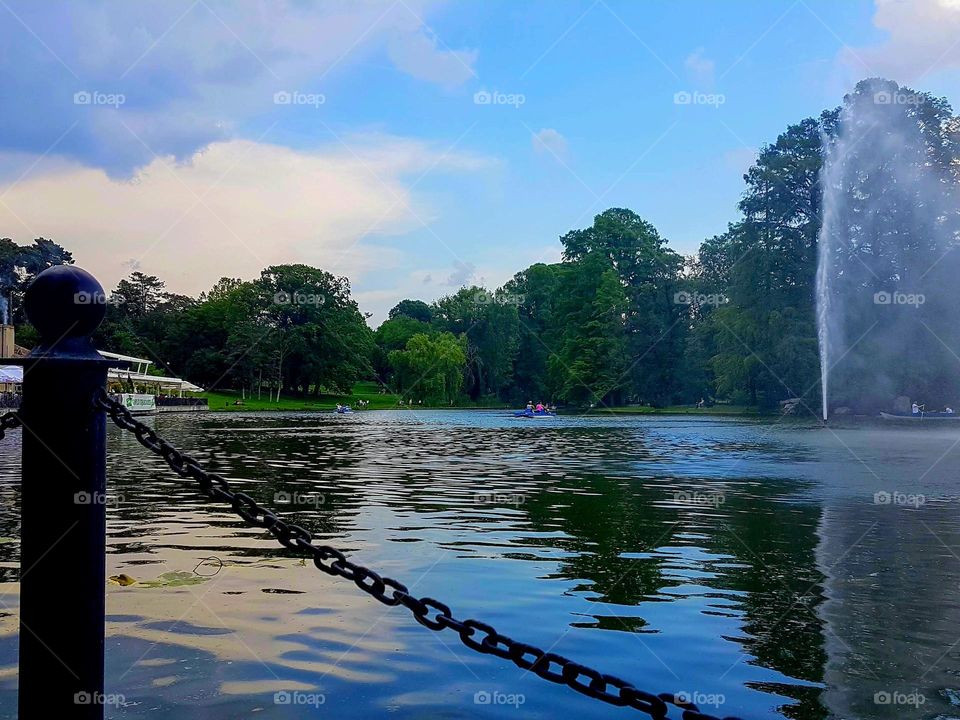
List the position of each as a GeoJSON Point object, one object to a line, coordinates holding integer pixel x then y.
{"type": "Point", "coordinates": [418, 54]}
{"type": "Point", "coordinates": [550, 142]}
{"type": "Point", "coordinates": [191, 72]}
{"type": "Point", "coordinates": [235, 208]}
{"type": "Point", "coordinates": [700, 69]}
{"type": "Point", "coordinates": [464, 273]}
{"type": "Point", "coordinates": [922, 39]}
{"type": "Point", "coordinates": [495, 268]}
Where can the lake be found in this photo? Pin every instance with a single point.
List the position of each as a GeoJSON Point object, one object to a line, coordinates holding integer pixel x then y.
{"type": "Point", "coordinates": [766, 569]}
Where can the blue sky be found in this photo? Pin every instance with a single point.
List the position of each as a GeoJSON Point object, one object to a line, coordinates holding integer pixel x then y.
{"type": "Point", "coordinates": [194, 139]}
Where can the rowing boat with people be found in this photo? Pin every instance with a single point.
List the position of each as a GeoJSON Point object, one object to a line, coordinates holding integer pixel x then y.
{"type": "Point", "coordinates": [920, 416]}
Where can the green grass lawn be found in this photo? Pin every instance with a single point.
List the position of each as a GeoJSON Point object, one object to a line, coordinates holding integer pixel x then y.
{"type": "Point", "coordinates": [680, 410]}
{"type": "Point", "coordinates": [225, 401]}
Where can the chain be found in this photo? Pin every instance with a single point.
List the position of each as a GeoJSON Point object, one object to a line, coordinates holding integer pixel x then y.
{"type": "Point", "coordinates": [9, 421]}
{"type": "Point", "coordinates": [430, 613]}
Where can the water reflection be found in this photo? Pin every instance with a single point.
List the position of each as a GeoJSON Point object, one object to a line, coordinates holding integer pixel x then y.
{"type": "Point", "coordinates": [731, 560]}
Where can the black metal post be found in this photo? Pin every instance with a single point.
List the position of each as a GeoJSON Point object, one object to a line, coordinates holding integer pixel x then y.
{"type": "Point", "coordinates": [63, 518]}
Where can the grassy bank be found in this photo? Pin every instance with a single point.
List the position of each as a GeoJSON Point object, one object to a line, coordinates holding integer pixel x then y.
{"type": "Point", "coordinates": [233, 401]}
{"type": "Point", "coordinates": [740, 410]}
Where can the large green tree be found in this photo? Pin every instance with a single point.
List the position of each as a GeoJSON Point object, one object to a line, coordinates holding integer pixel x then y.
{"type": "Point", "coordinates": [651, 276]}
{"type": "Point", "coordinates": [431, 367]}
{"type": "Point", "coordinates": [591, 362]}
{"type": "Point", "coordinates": [763, 328]}
{"type": "Point", "coordinates": [488, 321]}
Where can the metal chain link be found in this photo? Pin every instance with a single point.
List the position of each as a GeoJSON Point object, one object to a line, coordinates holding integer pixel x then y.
{"type": "Point", "coordinates": [9, 421]}
{"type": "Point", "coordinates": [427, 611]}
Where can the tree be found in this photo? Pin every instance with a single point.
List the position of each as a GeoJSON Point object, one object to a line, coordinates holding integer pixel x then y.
{"type": "Point", "coordinates": [590, 365]}
{"type": "Point", "coordinates": [19, 265]}
{"type": "Point", "coordinates": [650, 274]}
{"type": "Point", "coordinates": [489, 323]}
{"type": "Point", "coordinates": [394, 334]}
{"type": "Point", "coordinates": [430, 367]}
{"type": "Point", "coordinates": [536, 293]}
{"type": "Point", "coordinates": [414, 309]}
{"type": "Point", "coordinates": [318, 336]}
{"type": "Point", "coordinates": [138, 295]}
{"type": "Point", "coordinates": [764, 333]}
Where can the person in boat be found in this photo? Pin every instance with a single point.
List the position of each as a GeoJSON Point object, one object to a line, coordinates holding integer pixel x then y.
{"type": "Point", "coordinates": [540, 407]}
{"type": "Point", "coordinates": [529, 407]}
{"type": "Point", "coordinates": [339, 407]}
{"type": "Point", "coordinates": [915, 409]}
{"type": "Point", "coordinates": [949, 410]}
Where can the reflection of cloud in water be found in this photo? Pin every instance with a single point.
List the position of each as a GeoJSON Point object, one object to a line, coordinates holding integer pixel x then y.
{"type": "Point", "coordinates": [271, 631]}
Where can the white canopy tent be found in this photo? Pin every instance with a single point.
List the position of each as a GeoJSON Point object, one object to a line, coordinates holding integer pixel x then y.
{"type": "Point", "coordinates": [11, 375]}
{"type": "Point", "coordinates": [137, 375]}
{"type": "Point", "coordinates": [164, 384]}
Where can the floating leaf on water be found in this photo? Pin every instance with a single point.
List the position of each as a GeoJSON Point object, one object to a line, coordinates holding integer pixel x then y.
{"type": "Point", "coordinates": [122, 579]}
{"type": "Point", "coordinates": [174, 579]}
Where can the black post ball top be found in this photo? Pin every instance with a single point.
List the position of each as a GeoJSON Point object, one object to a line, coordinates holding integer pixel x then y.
{"type": "Point", "coordinates": [65, 302]}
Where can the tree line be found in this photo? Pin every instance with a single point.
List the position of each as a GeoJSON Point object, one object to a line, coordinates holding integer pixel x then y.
{"type": "Point", "coordinates": [621, 319]}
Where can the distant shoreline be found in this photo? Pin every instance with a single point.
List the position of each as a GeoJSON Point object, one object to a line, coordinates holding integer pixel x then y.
{"type": "Point", "coordinates": [227, 402]}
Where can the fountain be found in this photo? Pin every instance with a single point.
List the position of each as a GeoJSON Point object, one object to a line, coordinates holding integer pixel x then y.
{"type": "Point", "coordinates": [886, 281]}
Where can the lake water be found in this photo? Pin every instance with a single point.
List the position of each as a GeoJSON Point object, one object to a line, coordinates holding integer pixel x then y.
{"type": "Point", "coordinates": [770, 570]}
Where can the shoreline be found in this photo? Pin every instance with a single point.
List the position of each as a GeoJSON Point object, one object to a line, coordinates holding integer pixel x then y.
{"type": "Point", "coordinates": [223, 402]}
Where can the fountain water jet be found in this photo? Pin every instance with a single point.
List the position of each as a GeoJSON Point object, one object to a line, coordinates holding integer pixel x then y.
{"type": "Point", "coordinates": [888, 260]}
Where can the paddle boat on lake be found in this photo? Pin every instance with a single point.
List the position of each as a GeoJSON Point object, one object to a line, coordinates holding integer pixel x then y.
{"type": "Point", "coordinates": [344, 410]}
{"type": "Point", "coordinates": [533, 414]}
{"type": "Point", "coordinates": [540, 411]}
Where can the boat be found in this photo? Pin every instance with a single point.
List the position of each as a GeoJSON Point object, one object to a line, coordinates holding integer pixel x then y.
{"type": "Point", "coordinates": [533, 414]}
{"type": "Point", "coordinates": [345, 410]}
{"type": "Point", "coordinates": [143, 393]}
{"type": "Point", "coordinates": [920, 416]}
